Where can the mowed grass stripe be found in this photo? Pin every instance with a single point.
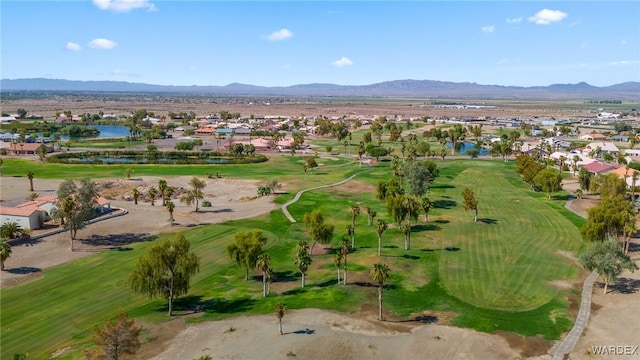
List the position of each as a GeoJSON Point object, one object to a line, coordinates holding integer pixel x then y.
{"type": "Point", "coordinates": [507, 261]}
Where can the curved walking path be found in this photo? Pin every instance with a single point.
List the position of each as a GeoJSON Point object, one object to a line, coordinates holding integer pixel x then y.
{"type": "Point", "coordinates": [569, 342]}
{"type": "Point", "coordinates": [299, 194]}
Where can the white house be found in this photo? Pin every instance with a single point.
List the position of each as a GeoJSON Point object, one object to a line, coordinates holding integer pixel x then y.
{"type": "Point", "coordinates": [28, 217]}
{"type": "Point", "coordinates": [605, 147]}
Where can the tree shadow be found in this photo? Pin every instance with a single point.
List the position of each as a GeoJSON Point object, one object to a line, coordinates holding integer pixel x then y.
{"type": "Point", "coordinates": [302, 332]}
{"type": "Point", "coordinates": [443, 186]}
{"type": "Point", "coordinates": [405, 256]}
{"type": "Point", "coordinates": [441, 221]}
{"type": "Point", "coordinates": [216, 211]}
{"type": "Point", "coordinates": [23, 270]}
{"type": "Point", "coordinates": [444, 204]}
{"type": "Point", "coordinates": [284, 276]}
{"type": "Point", "coordinates": [296, 291]}
{"type": "Point", "coordinates": [226, 306]}
{"type": "Point", "coordinates": [372, 285]}
{"type": "Point", "coordinates": [389, 246]}
{"type": "Point", "coordinates": [425, 227]}
{"type": "Point", "coordinates": [326, 283]}
{"type": "Point", "coordinates": [24, 241]}
{"type": "Point", "coordinates": [488, 221]}
{"type": "Point", "coordinates": [117, 240]}
{"type": "Point", "coordinates": [564, 197]}
{"type": "Point", "coordinates": [448, 248]}
{"type": "Point", "coordinates": [625, 286]}
{"type": "Point", "coordinates": [424, 319]}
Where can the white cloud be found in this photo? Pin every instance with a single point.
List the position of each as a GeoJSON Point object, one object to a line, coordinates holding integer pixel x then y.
{"type": "Point", "coordinates": [124, 5]}
{"type": "Point", "coordinates": [104, 44]}
{"type": "Point", "coordinates": [514, 20]}
{"type": "Point", "coordinates": [342, 62]}
{"type": "Point", "coordinates": [488, 29]}
{"type": "Point", "coordinates": [624, 62]}
{"type": "Point", "coordinates": [71, 46]}
{"type": "Point", "coordinates": [280, 35]}
{"type": "Point", "coordinates": [623, 42]}
{"type": "Point", "coordinates": [546, 16]}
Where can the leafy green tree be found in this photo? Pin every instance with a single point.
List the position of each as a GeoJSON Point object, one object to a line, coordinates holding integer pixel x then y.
{"type": "Point", "coordinates": [386, 188]}
{"type": "Point", "coordinates": [549, 180]}
{"type": "Point", "coordinates": [118, 337]}
{"type": "Point", "coordinates": [470, 202]}
{"type": "Point", "coordinates": [611, 185]}
{"type": "Point", "coordinates": [165, 270]}
{"type": "Point", "coordinates": [379, 275]}
{"type": "Point", "coordinates": [608, 259]}
{"type": "Point", "coordinates": [77, 205]}
{"type": "Point", "coordinates": [42, 152]}
{"type": "Point", "coordinates": [162, 190]}
{"type": "Point", "coordinates": [528, 168]}
{"type": "Point", "coordinates": [381, 226]}
{"type": "Point", "coordinates": [607, 220]}
{"type": "Point", "coordinates": [280, 307]}
{"type": "Point", "coordinates": [419, 178]}
{"type": "Point", "coordinates": [319, 231]}
{"type": "Point", "coordinates": [455, 135]}
{"type": "Point", "coordinates": [194, 194]}
{"type": "Point", "coordinates": [128, 172]}
{"type": "Point", "coordinates": [584, 179]}
{"type": "Point", "coordinates": [5, 252]}
{"type": "Point", "coordinates": [303, 259]}
{"type": "Point", "coordinates": [246, 249]}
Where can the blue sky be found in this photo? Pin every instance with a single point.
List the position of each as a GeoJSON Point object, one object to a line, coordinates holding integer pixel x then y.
{"type": "Point", "coordinates": [522, 43]}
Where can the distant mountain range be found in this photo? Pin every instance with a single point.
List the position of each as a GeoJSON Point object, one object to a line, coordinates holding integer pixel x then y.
{"type": "Point", "coordinates": [628, 91]}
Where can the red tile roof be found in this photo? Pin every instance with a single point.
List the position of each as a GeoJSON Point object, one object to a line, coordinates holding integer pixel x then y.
{"type": "Point", "coordinates": [598, 167]}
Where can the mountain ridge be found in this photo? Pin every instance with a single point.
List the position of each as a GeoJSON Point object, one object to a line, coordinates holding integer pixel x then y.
{"type": "Point", "coordinates": [628, 91]}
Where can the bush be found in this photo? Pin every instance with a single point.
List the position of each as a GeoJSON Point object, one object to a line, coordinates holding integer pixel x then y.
{"type": "Point", "coordinates": [206, 203]}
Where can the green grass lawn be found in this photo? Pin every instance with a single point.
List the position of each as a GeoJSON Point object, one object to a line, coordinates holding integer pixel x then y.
{"type": "Point", "coordinates": [494, 275]}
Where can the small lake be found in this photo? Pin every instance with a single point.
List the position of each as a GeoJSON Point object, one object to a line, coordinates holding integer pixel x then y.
{"type": "Point", "coordinates": [463, 147]}
{"type": "Point", "coordinates": [106, 131]}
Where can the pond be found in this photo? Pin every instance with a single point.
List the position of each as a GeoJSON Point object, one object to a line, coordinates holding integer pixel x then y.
{"type": "Point", "coordinates": [106, 131]}
{"type": "Point", "coordinates": [463, 147]}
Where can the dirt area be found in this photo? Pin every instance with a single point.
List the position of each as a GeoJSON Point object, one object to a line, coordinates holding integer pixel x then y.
{"type": "Point", "coordinates": [309, 333]}
{"type": "Point", "coordinates": [231, 199]}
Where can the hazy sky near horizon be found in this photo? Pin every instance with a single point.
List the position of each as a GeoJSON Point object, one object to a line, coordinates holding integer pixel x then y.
{"type": "Point", "coordinates": [267, 43]}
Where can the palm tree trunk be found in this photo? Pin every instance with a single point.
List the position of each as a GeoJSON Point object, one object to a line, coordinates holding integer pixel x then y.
{"type": "Point", "coordinates": [302, 279]}
{"type": "Point", "coordinates": [344, 279]}
{"type": "Point", "coordinates": [379, 245]}
{"type": "Point", "coordinates": [171, 297]}
{"type": "Point", "coordinates": [280, 326]}
{"type": "Point", "coordinates": [606, 283]}
{"type": "Point", "coordinates": [264, 284]}
{"type": "Point", "coordinates": [475, 218]}
{"type": "Point", "coordinates": [30, 184]}
{"type": "Point", "coordinates": [380, 303]}
{"type": "Point", "coordinates": [338, 267]}
{"type": "Point", "coordinates": [2, 265]}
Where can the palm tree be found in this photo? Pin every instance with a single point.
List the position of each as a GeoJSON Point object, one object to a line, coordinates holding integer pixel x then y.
{"type": "Point", "coordinates": [270, 276]}
{"type": "Point", "coordinates": [152, 194]}
{"type": "Point", "coordinates": [337, 260]}
{"type": "Point", "coordinates": [280, 307]}
{"type": "Point", "coordinates": [11, 230]}
{"type": "Point", "coordinates": [136, 194]}
{"type": "Point", "coordinates": [380, 274]}
{"type": "Point", "coordinates": [30, 177]}
{"type": "Point", "coordinates": [630, 229]}
{"type": "Point", "coordinates": [170, 207]}
{"type": "Point", "coordinates": [344, 250]}
{"type": "Point", "coordinates": [381, 226]}
{"type": "Point", "coordinates": [370, 214]}
{"type": "Point", "coordinates": [354, 210]}
{"type": "Point", "coordinates": [426, 204]}
{"type": "Point", "coordinates": [5, 252]}
{"type": "Point", "coordinates": [405, 227]}
{"type": "Point", "coordinates": [162, 188]}
{"type": "Point", "coordinates": [264, 264]}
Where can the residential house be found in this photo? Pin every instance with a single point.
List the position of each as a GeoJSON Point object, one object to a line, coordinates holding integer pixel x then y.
{"type": "Point", "coordinates": [27, 217]}
{"type": "Point", "coordinates": [597, 167]}
{"type": "Point", "coordinates": [593, 137]}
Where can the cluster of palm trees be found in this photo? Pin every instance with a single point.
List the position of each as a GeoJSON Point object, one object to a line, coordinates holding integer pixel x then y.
{"type": "Point", "coordinates": [165, 192]}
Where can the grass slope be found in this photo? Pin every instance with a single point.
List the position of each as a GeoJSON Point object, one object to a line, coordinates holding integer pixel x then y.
{"type": "Point", "coordinates": [493, 276]}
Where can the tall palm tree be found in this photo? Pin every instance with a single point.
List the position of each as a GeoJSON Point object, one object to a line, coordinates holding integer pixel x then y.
{"type": "Point", "coordinates": [136, 194]}
{"type": "Point", "coordinates": [264, 264]}
{"type": "Point", "coordinates": [337, 260]}
{"type": "Point", "coordinates": [280, 307]}
{"type": "Point", "coordinates": [195, 193]}
{"type": "Point", "coordinates": [344, 250]}
{"type": "Point", "coordinates": [152, 194]}
{"type": "Point", "coordinates": [162, 189]}
{"type": "Point", "coordinates": [354, 210]}
{"type": "Point", "coordinates": [405, 227]}
{"type": "Point", "coordinates": [381, 226]}
{"type": "Point", "coordinates": [30, 177]}
{"type": "Point", "coordinates": [5, 252]}
{"type": "Point", "coordinates": [170, 207]}
{"type": "Point", "coordinates": [379, 275]}
{"type": "Point", "coordinates": [426, 205]}
{"type": "Point", "coordinates": [370, 214]}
